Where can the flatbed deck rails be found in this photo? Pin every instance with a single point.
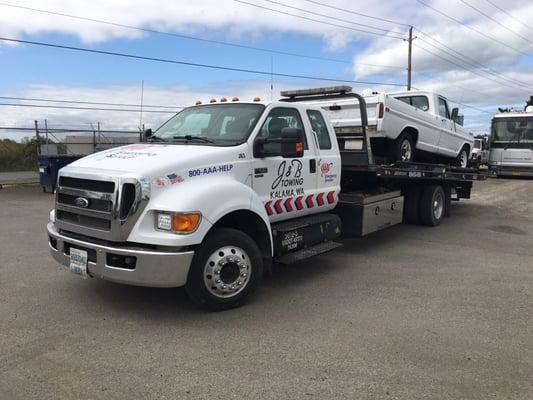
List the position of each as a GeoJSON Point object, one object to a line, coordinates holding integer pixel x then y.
{"type": "Point", "coordinates": [419, 171]}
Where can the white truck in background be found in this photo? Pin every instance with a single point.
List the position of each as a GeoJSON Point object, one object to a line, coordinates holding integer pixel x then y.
{"type": "Point", "coordinates": [222, 190]}
{"type": "Point", "coordinates": [403, 126]}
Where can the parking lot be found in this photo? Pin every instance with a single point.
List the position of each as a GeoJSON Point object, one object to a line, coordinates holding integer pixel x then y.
{"type": "Point", "coordinates": [407, 313]}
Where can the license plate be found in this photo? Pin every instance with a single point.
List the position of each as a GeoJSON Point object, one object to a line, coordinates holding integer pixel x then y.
{"type": "Point", "coordinates": [514, 173]}
{"type": "Point", "coordinates": [78, 262]}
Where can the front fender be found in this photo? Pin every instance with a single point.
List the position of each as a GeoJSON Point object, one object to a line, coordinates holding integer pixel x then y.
{"type": "Point", "coordinates": [214, 197]}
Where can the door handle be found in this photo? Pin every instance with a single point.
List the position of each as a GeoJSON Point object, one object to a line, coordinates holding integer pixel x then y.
{"type": "Point", "coordinates": [312, 165]}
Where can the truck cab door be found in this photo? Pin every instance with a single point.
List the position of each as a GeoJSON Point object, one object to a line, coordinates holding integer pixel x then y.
{"type": "Point", "coordinates": [448, 140]}
{"type": "Point", "coordinates": [286, 186]}
{"type": "Point", "coordinates": [329, 163]}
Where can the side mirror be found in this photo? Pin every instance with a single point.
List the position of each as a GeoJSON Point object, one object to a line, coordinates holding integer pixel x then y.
{"type": "Point", "coordinates": [455, 114]}
{"type": "Point", "coordinates": [292, 145]}
{"type": "Point", "coordinates": [148, 133]}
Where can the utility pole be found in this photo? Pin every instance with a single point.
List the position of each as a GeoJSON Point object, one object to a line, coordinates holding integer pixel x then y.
{"type": "Point", "coordinates": [409, 58]}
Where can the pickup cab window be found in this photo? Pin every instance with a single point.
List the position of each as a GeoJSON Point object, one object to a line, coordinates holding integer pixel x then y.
{"type": "Point", "coordinates": [320, 128]}
{"type": "Point", "coordinates": [420, 102]}
{"type": "Point", "coordinates": [443, 108]}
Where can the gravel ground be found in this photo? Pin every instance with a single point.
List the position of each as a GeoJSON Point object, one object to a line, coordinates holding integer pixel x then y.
{"type": "Point", "coordinates": [407, 313]}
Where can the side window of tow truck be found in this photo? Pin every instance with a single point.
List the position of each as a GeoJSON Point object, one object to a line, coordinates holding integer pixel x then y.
{"type": "Point", "coordinates": [320, 129]}
{"type": "Point", "coordinates": [279, 118]}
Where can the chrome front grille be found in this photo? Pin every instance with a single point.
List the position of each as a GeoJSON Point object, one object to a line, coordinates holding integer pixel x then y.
{"type": "Point", "coordinates": [105, 209]}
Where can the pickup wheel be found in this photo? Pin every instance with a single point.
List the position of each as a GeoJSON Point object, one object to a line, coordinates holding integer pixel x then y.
{"type": "Point", "coordinates": [225, 270]}
{"type": "Point", "coordinates": [432, 205]}
{"type": "Point", "coordinates": [461, 160]}
{"type": "Point", "coordinates": [403, 148]}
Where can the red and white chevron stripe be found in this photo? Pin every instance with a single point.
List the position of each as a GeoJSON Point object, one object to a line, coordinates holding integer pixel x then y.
{"type": "Point", "coordinates": [290, 204]}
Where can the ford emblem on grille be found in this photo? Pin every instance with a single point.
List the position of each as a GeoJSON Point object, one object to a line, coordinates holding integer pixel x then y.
{"type": "Point", "coordinates": [81, 202]}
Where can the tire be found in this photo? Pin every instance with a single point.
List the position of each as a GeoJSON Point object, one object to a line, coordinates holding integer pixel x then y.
{"type": "Point", "coordinates": [432, 205]}
{"type": "Point", "coordinates": [225, 270]}
{"type": "Point", "coordinates": [403, 148]}
{"type": "Point", "coordinates": [461, 161]}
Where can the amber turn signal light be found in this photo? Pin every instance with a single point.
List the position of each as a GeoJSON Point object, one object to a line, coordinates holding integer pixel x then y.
{"type": "Point", "coordinates": [185, 223]}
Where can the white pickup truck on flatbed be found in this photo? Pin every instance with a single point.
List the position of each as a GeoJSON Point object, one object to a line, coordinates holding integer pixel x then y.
{"type": "Point", "coordinates": [224, 189]}
{"type": "Point", "coordinates": [402, 125]}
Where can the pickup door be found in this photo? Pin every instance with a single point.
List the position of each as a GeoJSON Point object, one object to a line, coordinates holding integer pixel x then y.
{"type": "Point", "coordinates": [450, 141]}
{"type": "Point", "coordinates": [289, 187]}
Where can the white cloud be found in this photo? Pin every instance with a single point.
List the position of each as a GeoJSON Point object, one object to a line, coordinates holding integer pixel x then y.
{"type": "Point", "coordinates": [229, 20]}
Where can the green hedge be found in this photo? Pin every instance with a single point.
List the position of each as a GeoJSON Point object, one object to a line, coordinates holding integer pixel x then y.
{"type": "Point", "coordinates": [18, 156]}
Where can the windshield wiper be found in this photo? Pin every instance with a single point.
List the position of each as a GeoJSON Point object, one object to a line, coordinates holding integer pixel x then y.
{"type": "Point", "coordinates": [189, 138]}
{"type": "Point", "coordinates": [156, 139]}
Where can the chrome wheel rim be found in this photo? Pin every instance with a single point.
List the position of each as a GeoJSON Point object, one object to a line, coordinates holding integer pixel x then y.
{"type": "Point", "coordinates": [227, 272]}
{"type": "Point", "coordinates": [405, 150]}
{"type": "Point", "coordinates": [438, 206]}
{"type": "Point", "coordinates": [463, 159]}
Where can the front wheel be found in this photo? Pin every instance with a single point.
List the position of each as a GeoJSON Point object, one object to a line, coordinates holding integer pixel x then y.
{"type": "Point", "coordinates": [461, 160]}
{"type": "Point", "coordinates": [225, 270]}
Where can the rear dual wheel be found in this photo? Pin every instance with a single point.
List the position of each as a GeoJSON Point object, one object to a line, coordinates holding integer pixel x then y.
{"type": "Point", "coordinates": [432, 205]}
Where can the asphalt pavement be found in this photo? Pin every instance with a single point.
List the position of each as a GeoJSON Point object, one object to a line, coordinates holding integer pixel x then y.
{"type": "Point", "coordinates": [407, 313]}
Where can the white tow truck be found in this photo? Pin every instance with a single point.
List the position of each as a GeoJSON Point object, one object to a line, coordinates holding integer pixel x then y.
{"type": "Point", "coordinates": [403, 126]}
{"type": "Point", "coordinates": [222, 190]}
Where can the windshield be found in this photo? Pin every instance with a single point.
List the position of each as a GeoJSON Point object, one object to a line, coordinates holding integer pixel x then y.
{"type": "Point", "coordinates": [512, 132]}
{"type": "Point", "coordinates": [217, 124]}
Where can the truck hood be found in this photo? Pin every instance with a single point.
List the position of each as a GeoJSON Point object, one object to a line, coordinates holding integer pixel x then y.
{"type": "Point", "coordinates": [150, 160]}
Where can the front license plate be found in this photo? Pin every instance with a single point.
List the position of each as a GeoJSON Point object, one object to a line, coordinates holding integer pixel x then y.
{"type": "Point", "coordinates": [514, 173]}
{"type": "Point", "coordinates": [78, 262]}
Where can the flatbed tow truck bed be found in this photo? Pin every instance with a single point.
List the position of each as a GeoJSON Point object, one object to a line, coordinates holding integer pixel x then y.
{"type": "Point", "coordinates": [374, 194]}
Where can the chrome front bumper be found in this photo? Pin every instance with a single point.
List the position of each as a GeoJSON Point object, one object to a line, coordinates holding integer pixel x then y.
{"type": "Point", "coordinates": [152, 268]}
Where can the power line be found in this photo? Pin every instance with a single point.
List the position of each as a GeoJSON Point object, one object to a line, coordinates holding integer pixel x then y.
{"type": "Point", "coordinates": [357, 13]}
{"type": "Point", "coordinates": [474, 29]}
{"type": "Point", "coordinates": [473, 62]}
{"type": "Point", "coordinates": [190, 37]}
{"type": "Point", "coordinates": [192, 64]}
{"type": "Point", "coordinates": [508, 14]}
{"type": "Point", "coordinates": [319, 21]}
{"type": "Point", "coordinates": [472, 107]}
{"type": "Point", "coordinates": [461, 66]}
{"type": "Point", "coordinates": [518, 84]}
{"type": "Point", "coordinates": [495, 20]}
{"type": "Point", "coordinates": [326, 16]}
{"type": "Point", "coordinates": [84, 108]}
{"type": "Point", "coordinates": [87, 102]}
{"type": "Point", "coordinates": [470, 61]}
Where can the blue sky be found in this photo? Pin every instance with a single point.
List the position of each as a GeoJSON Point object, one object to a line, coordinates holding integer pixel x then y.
{"type": "Point", "coordinates": [33, 71]}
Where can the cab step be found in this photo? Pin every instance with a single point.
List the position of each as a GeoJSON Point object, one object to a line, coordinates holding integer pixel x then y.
{"type": "Point", "coordinates": [308, 252]}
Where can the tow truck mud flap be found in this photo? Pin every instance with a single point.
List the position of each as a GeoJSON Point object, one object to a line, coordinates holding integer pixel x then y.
{"type": "Point", "coordinates": [305, 237]}
{"type": "Point", "coordinates": [364, 213]}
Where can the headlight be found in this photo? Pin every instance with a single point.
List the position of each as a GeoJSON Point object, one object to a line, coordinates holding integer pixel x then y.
{"type": "Point", "coordinates": [53, 216]}
{"type": "Point", "coordinates": [178, 222]}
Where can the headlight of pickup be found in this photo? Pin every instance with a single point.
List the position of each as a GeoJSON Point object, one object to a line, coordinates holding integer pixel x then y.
{"type": "Point", "coordinates": [182, 223]}
{"type": "Point", "coordinates": [53, 216]}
